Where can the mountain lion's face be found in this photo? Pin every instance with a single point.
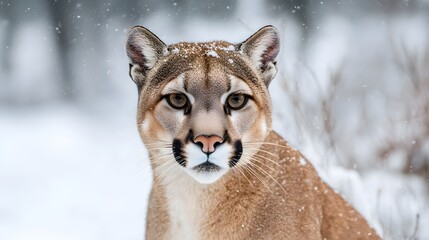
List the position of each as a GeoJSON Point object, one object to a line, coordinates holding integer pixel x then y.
{"type": "Point", "coordinates": [203, 107]}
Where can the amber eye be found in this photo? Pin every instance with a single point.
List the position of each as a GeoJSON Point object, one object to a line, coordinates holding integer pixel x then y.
{"type": "Point", "coordinates": [177, 100]}
{"type": "Point", "coordinates": [236, 101]}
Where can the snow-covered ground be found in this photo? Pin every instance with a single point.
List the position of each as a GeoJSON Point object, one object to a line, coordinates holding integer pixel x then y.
{"type": "Point", "coordinates": [67, 174]}
{"type": "Point", "coordinates": [79, 171]}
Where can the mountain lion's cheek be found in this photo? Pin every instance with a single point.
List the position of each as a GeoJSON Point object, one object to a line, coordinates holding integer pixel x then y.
{"type": "Point", "coordinates": [258, 132]}
{"type": "Point", "coordinates": [244, 120]}
{"type": "Point", "coordinates": [170, 120]}
{"type": "Point", "coordinates": [151, 129]}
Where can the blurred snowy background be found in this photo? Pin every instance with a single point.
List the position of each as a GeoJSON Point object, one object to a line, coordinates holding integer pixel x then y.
{"type": "Point", "coordinates": [352, 94]}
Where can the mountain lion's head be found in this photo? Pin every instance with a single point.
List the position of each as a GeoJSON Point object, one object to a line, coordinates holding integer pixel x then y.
{"type": "Point", "coordinates": [203, 108]}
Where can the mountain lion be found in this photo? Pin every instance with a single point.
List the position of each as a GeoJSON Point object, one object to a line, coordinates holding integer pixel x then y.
{"type": "Point", "coordinates": [220, 171]}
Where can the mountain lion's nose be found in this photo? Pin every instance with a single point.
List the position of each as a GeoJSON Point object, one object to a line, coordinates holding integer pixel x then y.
{"type": "Point", "coordinates": [208, 142]}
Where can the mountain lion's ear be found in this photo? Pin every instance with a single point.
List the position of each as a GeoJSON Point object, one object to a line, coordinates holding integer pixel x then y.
{"type": "Point", "coordinates": [262, 48]}
{"type": "Point", "coordinates": [144, 50]}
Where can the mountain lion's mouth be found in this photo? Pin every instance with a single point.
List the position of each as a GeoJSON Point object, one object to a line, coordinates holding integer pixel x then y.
{"type": "Point", "coordinates": [206, 167]}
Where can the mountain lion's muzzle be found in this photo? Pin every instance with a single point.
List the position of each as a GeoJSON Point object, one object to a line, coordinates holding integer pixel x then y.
{"type": "Point", "coordinates": [209, 160]}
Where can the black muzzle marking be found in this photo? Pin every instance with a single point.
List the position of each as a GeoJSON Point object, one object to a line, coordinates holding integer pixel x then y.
{"type": "Point", "coordinates": [238, 146]}
{"type": "Point", "coordinates": [178, 152]}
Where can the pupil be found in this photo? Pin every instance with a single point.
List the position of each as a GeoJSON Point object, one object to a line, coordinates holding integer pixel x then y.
{"type": "Point", "coordinates": [179, 100]}
{"type": "Point", "coordinates": [236, 99]}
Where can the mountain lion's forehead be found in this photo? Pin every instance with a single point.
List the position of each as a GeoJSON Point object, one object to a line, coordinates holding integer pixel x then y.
{"type": "Point", "coordinates": [206, 66]}
{"type": "Point", "coordinates": [210, 49]}
{"type": "Point", "coordinates": [216, 57]}
{"type": "Point", "coordinates": [201, 81]}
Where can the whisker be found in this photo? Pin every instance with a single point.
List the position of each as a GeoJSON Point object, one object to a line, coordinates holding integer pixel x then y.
{"type": "Point", "coordinates": [145, 167]}
{"type": "Point", "coordinates": [238, 169]}
{"type": "Point", "coordinates": [158, 148]}
{"type": "Point", "coordinates": [169, 165]}
{"type": "Point", "coordinates": [162, 146]}
{"type": "Point", "coordinates": [268, 159]}
{"type": "Point", "coordinates": [265, 165]}
{"type": "Point", "coordinates": [269, 143]}
{"type": "Point", "coordinates": [158, 145]}
{"type": "Point", "coordinates": [153, 143]}
{"type": "Point", "coordinates": [251, 164]}
{"type": "Point", "coordinates": [160, 156]}
{"type": "Point", "coordinates": [258, 177]}
{"type": "Point", "coordinates": [268, 175]}
{"type": "Point", "coordinates": [156, 169]}
{"type": "Point", "coordinates": [157, 140]}
{"type": "Point", "coordinates": [250, 171]}
{"type": "Point", "coordinates": [270, 153]}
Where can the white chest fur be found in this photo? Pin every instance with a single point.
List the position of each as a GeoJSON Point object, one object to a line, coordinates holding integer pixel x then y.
{"type": "Point", "coordinates": [186, 206]}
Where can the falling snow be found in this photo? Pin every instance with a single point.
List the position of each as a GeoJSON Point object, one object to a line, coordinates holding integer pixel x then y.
{"type": "Point", "coordinates": [73, 113]}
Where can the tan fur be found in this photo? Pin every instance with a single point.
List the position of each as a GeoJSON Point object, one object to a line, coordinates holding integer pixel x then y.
{"type": "Point", "coordinates": [272, 192]}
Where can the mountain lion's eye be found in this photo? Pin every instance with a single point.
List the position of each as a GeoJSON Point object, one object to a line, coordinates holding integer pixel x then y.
{"type": "Point", "coordinates": [236, 101]}
{"type": "Point", "coordinates": [177, 100]}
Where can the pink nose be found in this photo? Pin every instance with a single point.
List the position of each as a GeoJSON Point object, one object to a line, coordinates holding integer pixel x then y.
{"type": "Point", "coordinates": [208, 142]}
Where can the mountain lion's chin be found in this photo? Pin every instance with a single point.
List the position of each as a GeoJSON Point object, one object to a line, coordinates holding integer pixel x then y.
{"type": "Point", "coordinates": [206, 173]}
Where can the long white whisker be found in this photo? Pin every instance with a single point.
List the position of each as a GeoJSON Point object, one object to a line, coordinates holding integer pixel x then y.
{"type": "Point", "coordinates": [238, 169]}
{"type": "Point", "coordinates": [260, 150]}
{"type": "Point", "coordinates": [157, 158]}
{"type": "Point", "coordinates": [159, 143]}
{"type": "Point", "coordinates": [258, 177]}
{"type": "Point", "coordinates": [268, 175]}
{"type": "Point", "coordinates": [157, 140]}
{"type": "Point", "coordinates": [167, 165]}
{"type": "Point", "coordinates": [161, 156]}
{"type": "Point", "coordinates": [256, 160]}
{"type": "Point", "coordinates": [267, 143]}
{"type": "Point", "coordinates": [157, 148]}
{"type": "Point", "coordinates": [262, 157]}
